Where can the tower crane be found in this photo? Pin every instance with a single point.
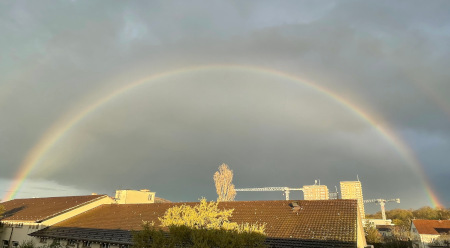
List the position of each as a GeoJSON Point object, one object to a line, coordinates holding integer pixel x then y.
{"type": "Point", "coordinates": [286, 190]}
{"type": "Point", "coordinates": [382, 202]}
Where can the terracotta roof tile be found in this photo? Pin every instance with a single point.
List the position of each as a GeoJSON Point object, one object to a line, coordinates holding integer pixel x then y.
{"type": "Point", "coordinates": [161, 200]}
{"type": "Point", "coordinates": [316, 220]}
{"type": "Point", "coordinates": [431, 226]}
{"type": "Point", "coordinates": [38, 209]}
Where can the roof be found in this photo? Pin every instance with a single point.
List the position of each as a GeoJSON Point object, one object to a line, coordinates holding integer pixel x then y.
{"type": "Point", "coordinates": [432, 226]}
{"type": "Point", "coordinates": [39, 209]}
{"type": "Point", "coordinates": [385, 226]}
{"type": "Point", "coordinates": [327, 220]}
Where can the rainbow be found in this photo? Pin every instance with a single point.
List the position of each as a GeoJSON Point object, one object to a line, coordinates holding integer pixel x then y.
{"type": "Point", "coordinates": [60, 129]}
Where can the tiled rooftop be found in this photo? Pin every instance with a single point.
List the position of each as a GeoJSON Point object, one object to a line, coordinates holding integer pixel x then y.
{"type": "Point", "coordinates": [315, 220]}
{"type": "Point", "coordinates": [38, 209]}
{"type": "Point", "coordinates": [431, 226]}
{"type": "Point", "coordinates": [161, 200]}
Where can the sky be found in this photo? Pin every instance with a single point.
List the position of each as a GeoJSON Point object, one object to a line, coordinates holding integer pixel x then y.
{"type": "Point", "coordinates": [98, 96]}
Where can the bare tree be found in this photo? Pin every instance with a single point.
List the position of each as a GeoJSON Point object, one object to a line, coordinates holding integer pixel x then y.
{"type": "Point", "coordinates": [224, 186]}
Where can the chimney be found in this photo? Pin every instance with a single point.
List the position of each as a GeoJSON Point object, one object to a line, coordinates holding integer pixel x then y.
{"type": "Point", "coordinates": [295, 207]}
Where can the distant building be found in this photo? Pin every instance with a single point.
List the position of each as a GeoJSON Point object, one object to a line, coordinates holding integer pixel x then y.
{"type": "Point", "coordinates": [384, 227]}
{"type": "Point", "coordinates": [333, 195]}
{"type": "Point", "coordinates": [425, 232]}
{"type": "Point", "coordinates": [315, 192]}
{"type": "Point", "coordinates": [377, 222]}
{"type": "Point", "coordinates": [128, 196]}
{"type": "Point", "coordinates": [353, 190]}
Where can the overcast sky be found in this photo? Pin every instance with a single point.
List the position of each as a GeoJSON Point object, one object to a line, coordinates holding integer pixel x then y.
{"type": "Point", "coordinates": [390, 59]}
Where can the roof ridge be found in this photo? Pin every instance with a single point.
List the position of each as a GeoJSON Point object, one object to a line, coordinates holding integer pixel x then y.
{"type": "Point", "coordinates": [71, 208]}
{"type": "Point", "coordinates": [34, 198]}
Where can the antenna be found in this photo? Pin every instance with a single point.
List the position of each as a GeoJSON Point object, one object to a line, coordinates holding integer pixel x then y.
{"type": "Point", "coordinates": [357, 177]}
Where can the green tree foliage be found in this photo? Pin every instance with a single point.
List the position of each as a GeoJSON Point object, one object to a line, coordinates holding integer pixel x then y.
{"type": "Point", "coordinates": [443, 214]}
{"type": "Point", "coordinates": [376, 215]}
{"type": "Point", "coordinates": [27, 244]}
{"type": "Point", "coordinates": [30, 244]}
{"type": "Point", "coordinates": [442, 241]}
{"type": "Point", "coordinates": [206, 215]}
{"type": "Point", "coordinates": [183, 236]}
{"type": "Point", "coordinates": [372, 234]}
{"type": "Point", "coordinates": [426, 213]}
{"type": "Point", "coordinates": [149, 237]}
{"type": "Point", "coordinates": [399, 237]}
{"type": "Point", "coordinates": [203, 225]}
{"type": "Point", "coordinates": [2, 210]}
{"type": "Point", "coordinates": [400, 217]}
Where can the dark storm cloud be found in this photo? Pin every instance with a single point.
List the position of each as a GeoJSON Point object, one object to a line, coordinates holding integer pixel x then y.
{"type": "Point", "coordinates": [386, 57]}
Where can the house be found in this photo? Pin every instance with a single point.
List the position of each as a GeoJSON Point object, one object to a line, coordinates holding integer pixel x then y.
{"type": "Point", "coordinates": [24, 216]}
{"type": "Point", "coordinates": [384, 227]}
{"type": "Point", "coordinates": [385, 230]}
{"type": "Point", "coordinates": [424, 232]}
{"type": "Point", "coordinates": [315, 223]}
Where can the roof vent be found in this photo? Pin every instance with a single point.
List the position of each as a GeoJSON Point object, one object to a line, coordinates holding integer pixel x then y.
{"type": "Point", "coordinates": [295, 207]}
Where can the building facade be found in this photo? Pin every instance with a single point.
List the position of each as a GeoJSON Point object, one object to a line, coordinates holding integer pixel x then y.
{"type": "Point", "coordinates": [353, 190]}
{"type": "Point", "coordinates": [315, 192]}
{"type": "Point", "coordinates": [128, 196]}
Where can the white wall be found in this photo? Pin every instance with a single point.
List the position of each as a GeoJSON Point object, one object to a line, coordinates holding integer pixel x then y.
{"type": "Point", "coordinates": [19, 232]}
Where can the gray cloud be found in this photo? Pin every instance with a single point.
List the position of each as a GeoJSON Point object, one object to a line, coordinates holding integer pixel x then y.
{"type": "Point", "coordinates": [387, 58]}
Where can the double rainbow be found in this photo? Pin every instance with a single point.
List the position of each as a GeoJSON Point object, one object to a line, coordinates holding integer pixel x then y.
{"type": "Point", "coordinates": [61, 128]}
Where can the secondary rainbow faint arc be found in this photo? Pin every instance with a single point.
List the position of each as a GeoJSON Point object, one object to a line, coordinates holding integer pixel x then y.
{"type": "Point", "coordinates": [59, 129]}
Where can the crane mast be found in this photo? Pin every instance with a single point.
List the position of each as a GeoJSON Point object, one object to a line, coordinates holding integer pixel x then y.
{"type": "Point", "coordinates": [286, 190]}
{"type": "Point", "coordinates": [382, 202]}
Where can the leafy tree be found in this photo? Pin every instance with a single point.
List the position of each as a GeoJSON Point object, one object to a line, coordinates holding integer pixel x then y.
{"type": "Point", "coordinates": [27, 244]}
{"type": "Point", "coordinates": [426, 213]}
{"type": "Point", "coordinates": [376, 215]}
{"type": "Point", "coordinates": [400, 217]}
{"type": "Point", "coordinates": [203, 225]}
{"type": "Point", "coordinates": [443, 214]}
{"type": "Point", "coordinates": [183, 236]}
{"type": "Point", "coordinates": [372, 234]}
{"type": "Point", "coordinates": [205, 216]}
{"type": "Point", "coordinates": [2, 210]}
{"type": "Point", "coordinates": [443, 240]}
{"type": "Point", "coordinates": [149, 237]}
{"type": "Point", "coordinates": [224, 186]}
